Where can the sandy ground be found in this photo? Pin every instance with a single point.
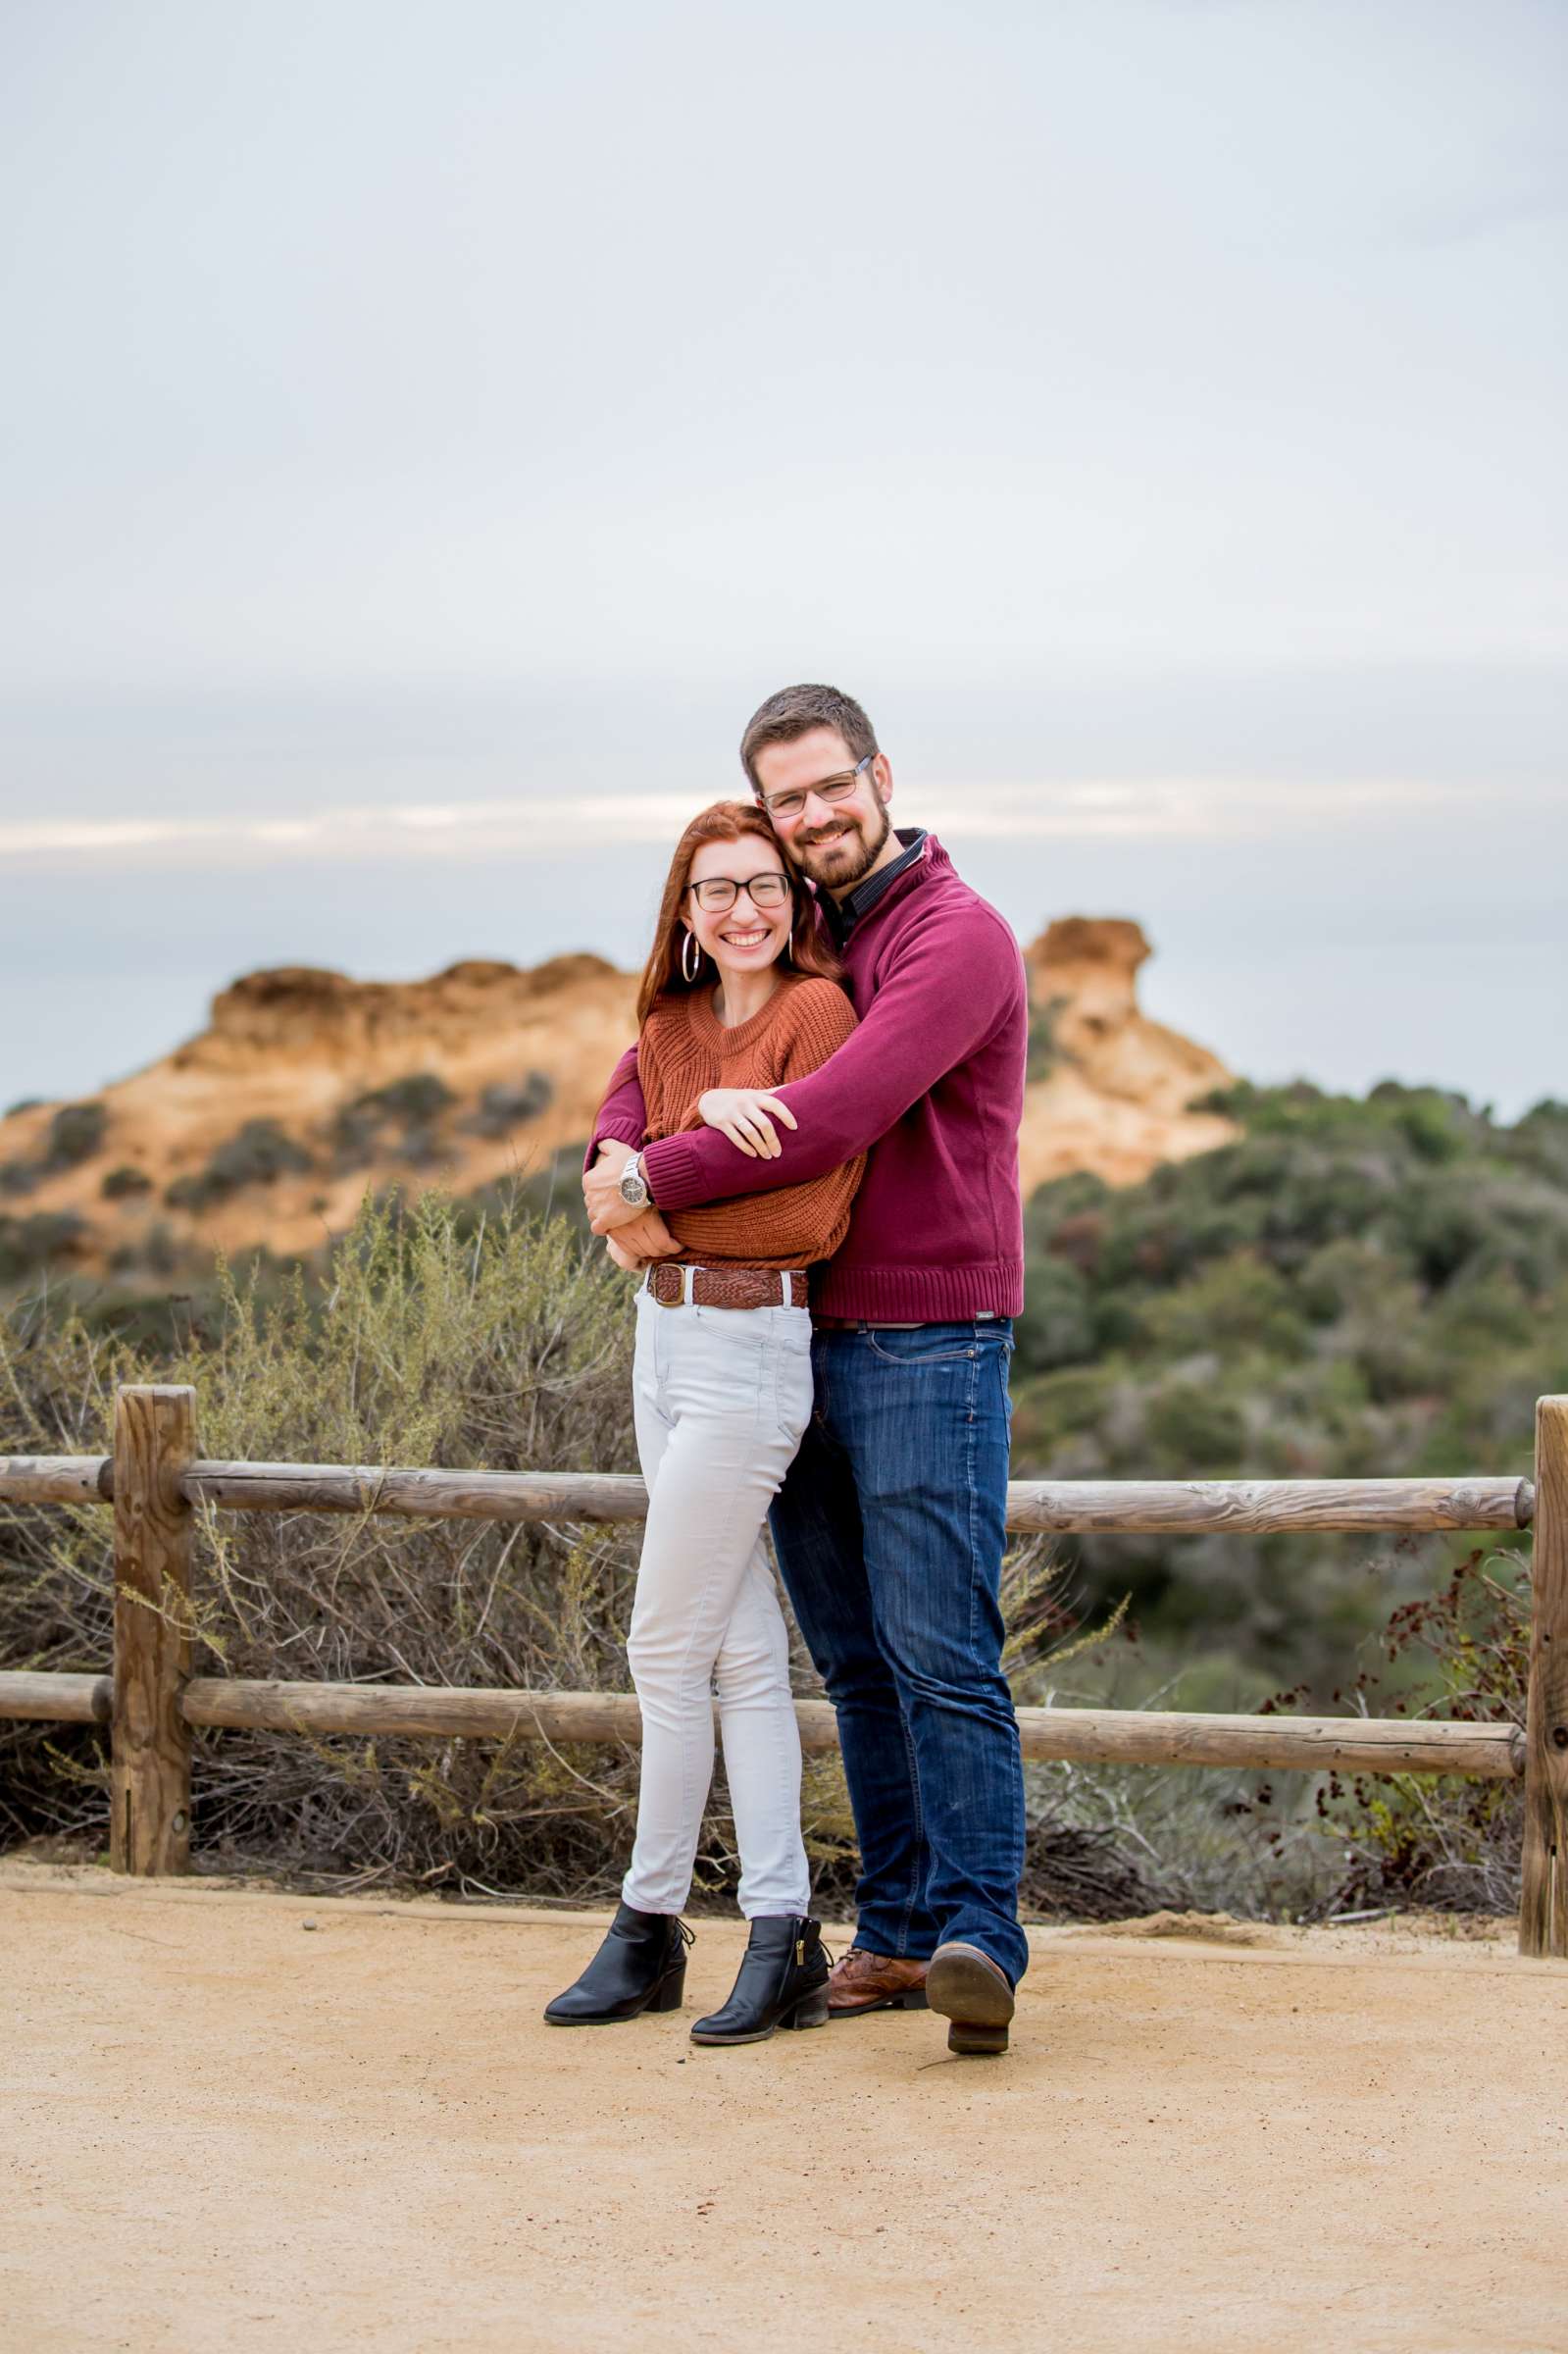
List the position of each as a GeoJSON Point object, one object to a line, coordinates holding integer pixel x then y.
{"type": "Point", "coordinates": [220, 2128]}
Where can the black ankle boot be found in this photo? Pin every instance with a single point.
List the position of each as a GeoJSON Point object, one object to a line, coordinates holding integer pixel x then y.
{"type": "Point", "coordinates": [641, 1966]}
{"type": "Point", "coordinates": [782, 1983]}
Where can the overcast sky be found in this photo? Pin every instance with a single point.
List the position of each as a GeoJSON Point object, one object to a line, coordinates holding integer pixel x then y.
{"type": "Point", "coordinates": [428, 431]}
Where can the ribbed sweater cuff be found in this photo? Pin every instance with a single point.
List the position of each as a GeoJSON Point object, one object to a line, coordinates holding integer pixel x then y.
{"type": "Point", "coordinates": [673, 1174]}
{"type": "Point", "coordinates": [612, 1131]}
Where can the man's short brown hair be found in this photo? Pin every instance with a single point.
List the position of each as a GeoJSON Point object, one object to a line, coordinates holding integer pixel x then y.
{"type": "Point", "coordinates": [794, 711]}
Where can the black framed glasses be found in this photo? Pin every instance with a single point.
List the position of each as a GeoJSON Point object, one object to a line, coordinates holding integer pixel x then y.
{"type": "Point", "coordinates": [716, 893]}
{"type": "Point", "coordinates": [831, 788]}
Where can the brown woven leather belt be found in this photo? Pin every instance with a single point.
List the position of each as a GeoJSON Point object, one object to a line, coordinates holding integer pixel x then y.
{"type": "Point", "coordinates": [727, 1287]}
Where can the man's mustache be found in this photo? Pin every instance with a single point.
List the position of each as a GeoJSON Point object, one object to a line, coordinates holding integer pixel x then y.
{"type": "Point", "coordinates": [809, 842]}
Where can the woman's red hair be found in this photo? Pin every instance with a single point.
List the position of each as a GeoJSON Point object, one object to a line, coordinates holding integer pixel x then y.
{"type": "Point", "coordinates": [810, 951]}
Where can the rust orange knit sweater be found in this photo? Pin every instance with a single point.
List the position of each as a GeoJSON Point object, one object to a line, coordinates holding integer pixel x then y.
{"type": "Point", "coordinates": [683, 1050]}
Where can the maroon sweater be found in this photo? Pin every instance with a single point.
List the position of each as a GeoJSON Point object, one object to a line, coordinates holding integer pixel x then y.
{"type": "Point", "coordinates": [932, 1082]}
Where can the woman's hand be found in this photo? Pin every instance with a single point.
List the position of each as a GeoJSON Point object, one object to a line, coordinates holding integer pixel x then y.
{"type": "Point", "coordinates": [646, 1236]}
{"type": "Point", "coordinates": [742, 1114]}
{"type": "Point", "coordinates": [643, 1240]}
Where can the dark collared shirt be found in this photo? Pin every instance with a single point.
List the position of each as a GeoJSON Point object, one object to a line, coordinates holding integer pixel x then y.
{"type": "Point", "coordinates": [845, 914]}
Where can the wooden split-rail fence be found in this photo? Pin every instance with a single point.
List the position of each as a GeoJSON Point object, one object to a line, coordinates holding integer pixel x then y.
{"type": "Point", "coordinates": [150, 1701]}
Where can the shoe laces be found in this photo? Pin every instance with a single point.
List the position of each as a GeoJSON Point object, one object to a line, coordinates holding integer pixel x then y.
{"type": "Point", "coordinates": [853, 1955]}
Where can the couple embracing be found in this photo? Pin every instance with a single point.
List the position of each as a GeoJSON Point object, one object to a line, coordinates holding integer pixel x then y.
{"type": "Point", "coordinates": [811, 1159]}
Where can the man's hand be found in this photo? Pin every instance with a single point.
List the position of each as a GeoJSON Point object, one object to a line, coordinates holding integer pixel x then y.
{"type": "Point", "coordinates": [601, 1190]}
{"type": "Point", "coordinates": [742, 1114]}
{"type": "Point", "coordinates": [622, 1257]}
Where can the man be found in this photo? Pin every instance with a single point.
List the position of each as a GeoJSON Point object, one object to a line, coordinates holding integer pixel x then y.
{"type": "Point", "coordinates": [889, 1528]}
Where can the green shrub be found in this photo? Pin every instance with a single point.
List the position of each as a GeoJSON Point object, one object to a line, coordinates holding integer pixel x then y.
{"type": "Point", "coordinates": [1058, 1326]}
{"type": "Point", "coordinates": [119, 1183]}
{"type": "Point", "coordinates": [1238, 1303]}
{"type": "Point", "coordinates": [258, 1155]}
{"type": "Point", "coordinates": [415, 1100]}
{"type": "Point", "coordinates": [1437, 1840]}
{"type": "Point", "coordinates": [1193, 1432]}
{"type": "Point", "coordinates": [1348, 1289]}
{"type": "Point", "coordinates": [1539, 1140]}
{"type": "Point", "coordinates": [417, 1344]}
{"type": "Point", "coordinates": [76, 1134]}
{"type": "Point", "coordinates": [1042, 1053]}
{"type": "Point", "coordinates": [412, 1104]}
{"type": "Point", "coordinates": [354, 1137]}
{"type": "Point", "coordinates": [503, 1108]}
{"type": "Point", "coordinates": [29, 1244]}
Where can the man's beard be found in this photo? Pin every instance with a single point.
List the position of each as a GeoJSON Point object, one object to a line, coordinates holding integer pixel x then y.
{"type": "Point", "coordinates": [851, 859]}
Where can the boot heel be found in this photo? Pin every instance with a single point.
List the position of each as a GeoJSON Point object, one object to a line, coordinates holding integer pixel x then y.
{"type": "Point", "coordinates": [810, 2012]}
{"type": "Point", "coordinates": [672, 1993]}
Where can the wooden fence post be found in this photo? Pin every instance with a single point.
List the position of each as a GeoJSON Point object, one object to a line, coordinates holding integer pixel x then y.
{"type": "Point", "coordinates": [1543, 1895]}
{"type": "Point", "coordinates": [155, 1439]}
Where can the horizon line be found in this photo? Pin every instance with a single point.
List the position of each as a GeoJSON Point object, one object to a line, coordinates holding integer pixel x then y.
{"type": "Point", "coordinates": [1192, 807]}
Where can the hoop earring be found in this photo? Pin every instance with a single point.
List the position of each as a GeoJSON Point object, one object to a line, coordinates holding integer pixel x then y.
{"type": "Point", "coordinates": [691, 971]}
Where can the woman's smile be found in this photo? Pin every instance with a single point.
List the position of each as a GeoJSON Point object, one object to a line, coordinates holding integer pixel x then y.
{"type": "Point", "coordinates": [747, 937]}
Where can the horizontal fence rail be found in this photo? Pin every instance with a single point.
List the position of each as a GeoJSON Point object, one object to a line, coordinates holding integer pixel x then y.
{"type": "Point", "coordinates": [151, 1703]}
{"type": "Point", "coordinates": [1051, 1508]}
{"type": "Point", "coordinates": [1090, 1736]}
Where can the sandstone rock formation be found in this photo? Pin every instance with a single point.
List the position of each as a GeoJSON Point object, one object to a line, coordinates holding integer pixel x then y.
{"type": "Point", "coordinates": [1114, 1088]}
{"type": "Point", "coordinates": [308, 1086]}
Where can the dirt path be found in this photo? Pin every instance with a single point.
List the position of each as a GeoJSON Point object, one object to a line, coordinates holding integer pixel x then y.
{"type": "Point", "coordinates": [219, 2129]}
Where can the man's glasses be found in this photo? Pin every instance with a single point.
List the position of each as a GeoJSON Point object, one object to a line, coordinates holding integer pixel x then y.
{"type": "Point", "coordinates": [716, 893]}
{"type": "Point", "coordinates": [831, 788]}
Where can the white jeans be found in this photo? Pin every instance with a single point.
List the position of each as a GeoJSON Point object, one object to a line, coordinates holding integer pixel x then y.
{"type": "Point", "coordinates": [722, 1396]}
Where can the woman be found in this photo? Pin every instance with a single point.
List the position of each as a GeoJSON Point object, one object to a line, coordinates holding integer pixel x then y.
{"type": "Point", "coordinates": [740, 992]}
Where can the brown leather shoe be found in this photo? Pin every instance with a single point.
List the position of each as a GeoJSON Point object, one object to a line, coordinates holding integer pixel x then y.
{"type": "Point", "coordinates": [864, 1981]}
{"type": "Point", "coordinates": [974, 1996]}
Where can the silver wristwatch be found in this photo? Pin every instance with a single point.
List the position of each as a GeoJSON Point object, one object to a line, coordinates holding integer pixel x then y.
{"type": "Point", "coordinates": [634, 1185]}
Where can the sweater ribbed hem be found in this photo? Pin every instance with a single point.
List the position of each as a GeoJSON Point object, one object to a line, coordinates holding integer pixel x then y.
{"type": "Point", "coordinates": [921, 1295]}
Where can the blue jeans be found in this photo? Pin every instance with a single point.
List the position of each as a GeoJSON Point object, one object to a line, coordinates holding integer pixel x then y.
{"type": "Point", "coordinates": [889, 1530]}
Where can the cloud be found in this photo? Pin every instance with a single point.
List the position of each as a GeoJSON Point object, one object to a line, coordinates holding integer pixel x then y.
{"type": "Point", "coordinates": [1088, 808]}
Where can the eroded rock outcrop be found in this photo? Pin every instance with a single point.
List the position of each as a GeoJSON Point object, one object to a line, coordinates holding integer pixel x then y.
{"type": "Point", "coordinates": [1112, 1088]}
{"type": "Point", "coordinates": [307, 1086]}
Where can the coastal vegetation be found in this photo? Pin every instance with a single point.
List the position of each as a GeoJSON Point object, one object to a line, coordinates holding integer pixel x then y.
{"type": "Point", "coordinates": [442, 1334]}
{"type": "Point", "coordinates": [1353, 1287]}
